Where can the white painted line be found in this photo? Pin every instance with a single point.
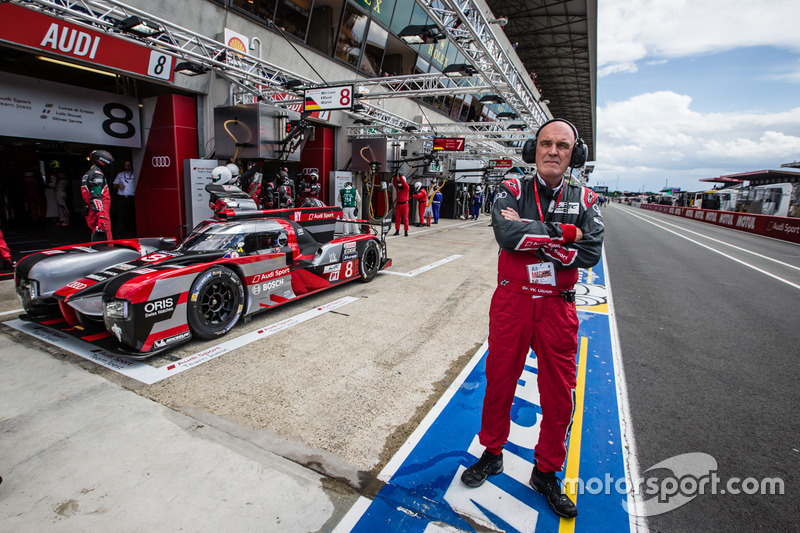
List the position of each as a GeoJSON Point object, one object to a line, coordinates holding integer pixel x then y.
{"type": "Point", "coordinates": [727, 243]}
{"type": "Point", "coordinates": [13, 312]}
{"type": "Point", "coordinates": [637, 520]}
{"type": "Point", "coordinates": [425, 268]}
{"type": "Point", "coordinates": [133, 369]}
{"type": "Point", "coordinates": [748, 265]}
{"type": "Point", "coordinates": [148, 374]}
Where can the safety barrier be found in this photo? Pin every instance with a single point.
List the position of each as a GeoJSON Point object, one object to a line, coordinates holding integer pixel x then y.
{"type": "Point", "coordinates": [784, 228]}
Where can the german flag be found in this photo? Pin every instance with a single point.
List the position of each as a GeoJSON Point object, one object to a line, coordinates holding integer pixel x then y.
{"type": "Point", "coordinates": [311, 104]}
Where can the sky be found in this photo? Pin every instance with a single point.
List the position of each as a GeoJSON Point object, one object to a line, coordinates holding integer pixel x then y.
{"type": "Point", "coordinates": [690, 90]}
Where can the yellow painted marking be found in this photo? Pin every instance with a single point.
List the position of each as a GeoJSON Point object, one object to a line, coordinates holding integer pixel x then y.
{"type": "Point", "coordinates": [567, 525]}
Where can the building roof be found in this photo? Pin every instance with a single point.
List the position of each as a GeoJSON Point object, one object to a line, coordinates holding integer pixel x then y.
{"type": "Point", "coordinates": [557, 40]}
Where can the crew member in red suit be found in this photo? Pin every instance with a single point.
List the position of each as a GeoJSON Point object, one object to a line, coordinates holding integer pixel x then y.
{"type": "Point", "coordinates": [94, 189]}
{"type": "Point", "coordinates": [546, 228]}
{"type": "Point", "coordinates": [401, 209]}
{"type": "Point", "coordinates": [421, 196]}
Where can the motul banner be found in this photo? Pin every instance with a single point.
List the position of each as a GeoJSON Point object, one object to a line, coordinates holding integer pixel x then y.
{"type": "Point", "coordinates": [35, 30]}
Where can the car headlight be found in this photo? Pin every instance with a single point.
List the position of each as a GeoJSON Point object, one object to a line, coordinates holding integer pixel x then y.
{"type": "Point", "coordinates": [30, 287]}
{"type": "Point", "coordinates": [117, 309]}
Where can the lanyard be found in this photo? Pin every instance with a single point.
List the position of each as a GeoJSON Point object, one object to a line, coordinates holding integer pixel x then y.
{"type": "Point", "coordinates": [539, 205]}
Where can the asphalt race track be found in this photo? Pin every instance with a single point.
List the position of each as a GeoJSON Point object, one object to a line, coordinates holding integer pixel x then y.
{"type": "Point", "coordinates": [710, 345]}
{"type": "Point", "coordinates": [363, 399]}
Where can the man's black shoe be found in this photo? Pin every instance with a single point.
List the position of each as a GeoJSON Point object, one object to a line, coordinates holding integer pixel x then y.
{"type": "Point", "coordinates": [397, 232]}
{"type": "Point", "coordinates": [488, 465]}
{"type": "Point", "coordinates": [406, 233]}
{"type": "Point", "coordinates": [547, 484]}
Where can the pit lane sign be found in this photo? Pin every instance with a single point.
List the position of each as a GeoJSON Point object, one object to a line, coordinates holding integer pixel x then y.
{"type": "Point", "coordinates": [450, 144]}
{"type": "Point", "coordinates": [500, 163]}
{"type": "Point", "coordinates": [328, 98]}
{"type": "Point", "coordinates": [45, 34]}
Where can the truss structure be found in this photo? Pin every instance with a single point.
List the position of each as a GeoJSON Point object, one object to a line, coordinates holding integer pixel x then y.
{"type": "Point", "coordinates": [254, 79]}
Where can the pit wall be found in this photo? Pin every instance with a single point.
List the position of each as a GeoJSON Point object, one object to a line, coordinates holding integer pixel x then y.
{"type": "Point", "coordinates": [784, 228]}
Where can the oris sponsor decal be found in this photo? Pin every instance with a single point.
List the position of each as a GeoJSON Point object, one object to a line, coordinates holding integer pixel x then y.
{"type": "Point", "coordinates": [265, 276]}
{"type": "Point", "coordinates": [145, 270]}
{"type": "Point", "coordinates": [96, 277]}
{"type": "Point", "coordinates": [171, 340]}
{"type": "Point", "coordinates": [159, 307]}
{"type": "Point", "coordinates": [160, 161]}
{"type": "Point", "coordinates": [124, 266]}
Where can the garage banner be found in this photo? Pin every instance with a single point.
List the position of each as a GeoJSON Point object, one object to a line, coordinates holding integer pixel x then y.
{"type": "Point", "coordinates": [39, 109]}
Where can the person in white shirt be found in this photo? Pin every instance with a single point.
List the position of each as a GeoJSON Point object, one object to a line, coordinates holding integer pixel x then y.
{"type": "Point", "coordinates": [125, 186]}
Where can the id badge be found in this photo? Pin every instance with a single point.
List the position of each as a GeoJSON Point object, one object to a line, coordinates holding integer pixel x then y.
{"type": "Point", "coordinates": [542, 273]}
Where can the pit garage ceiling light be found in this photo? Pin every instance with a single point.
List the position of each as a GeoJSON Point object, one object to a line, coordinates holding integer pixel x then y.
{"type": "Point", "coordinates": [459, 69]}
{"type": "Point", "coordinates": [139, 26]}
{"type": "Point", "coordinates": [187, 68]}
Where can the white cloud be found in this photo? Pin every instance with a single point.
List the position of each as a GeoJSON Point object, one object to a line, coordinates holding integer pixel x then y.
{"type": "Point", "coordinates": [655, 138]}
{"type": "Point", "coordinates": [631, 30]}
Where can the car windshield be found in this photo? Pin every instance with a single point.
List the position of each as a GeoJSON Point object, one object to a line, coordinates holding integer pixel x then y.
{"type": "Point", "coordinates": [214, 236]}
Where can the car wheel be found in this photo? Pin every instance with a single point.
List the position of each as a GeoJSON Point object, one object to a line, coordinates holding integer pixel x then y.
{"type": "Point", "coordinates": [215, 303]}
{"type": "Point", "coordinates": [370, 261]}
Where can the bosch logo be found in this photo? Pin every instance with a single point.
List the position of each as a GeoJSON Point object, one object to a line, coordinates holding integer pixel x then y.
{"type": "Point", "coordinates": [160, 161]}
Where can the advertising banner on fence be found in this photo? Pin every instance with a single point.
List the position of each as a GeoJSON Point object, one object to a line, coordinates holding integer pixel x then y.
{"type": "Point", "coordinates": [784, 228]}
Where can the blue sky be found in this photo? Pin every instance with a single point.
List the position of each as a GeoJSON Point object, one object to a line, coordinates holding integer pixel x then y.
{"type": "Point", "coordinates": [691, 90]}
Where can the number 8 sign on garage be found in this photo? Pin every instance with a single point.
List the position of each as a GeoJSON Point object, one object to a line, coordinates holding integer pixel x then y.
{"type": "Point", "coordinates": [328, 98]}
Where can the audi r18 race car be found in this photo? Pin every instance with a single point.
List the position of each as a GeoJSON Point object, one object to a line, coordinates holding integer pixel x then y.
{"type": "Point", "coordinates": [152, 294]}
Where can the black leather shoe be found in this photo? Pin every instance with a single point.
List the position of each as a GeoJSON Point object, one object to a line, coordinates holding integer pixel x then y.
{"type": "Point", "coordinates": [397, 232]}
{"type": "Point", "coordinates": [488, 465]}
{"type": "Point", "coordinates": [406, 234]}
{"type": "Point", "coordinates": [548, 484]}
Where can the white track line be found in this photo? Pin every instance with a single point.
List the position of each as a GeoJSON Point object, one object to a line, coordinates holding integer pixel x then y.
{"type": "Point", "coordinates": [748, 265]}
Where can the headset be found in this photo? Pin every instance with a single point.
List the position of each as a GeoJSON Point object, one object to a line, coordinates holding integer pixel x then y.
{"type": "Point", "coordinates": [580, 152]}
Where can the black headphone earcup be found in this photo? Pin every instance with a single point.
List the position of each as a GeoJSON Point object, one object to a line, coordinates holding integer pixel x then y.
{"type": "Point", "coordinates": [580, 153]}
{"type": "Point", "coordinates": [529, 151]}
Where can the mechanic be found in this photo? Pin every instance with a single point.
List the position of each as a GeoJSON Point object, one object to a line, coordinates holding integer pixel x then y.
{"type": "Point", "coordinates": [436, 204]}
{"type": "Point", "coordinates": [349, 198]}
{"type": "Point", "coordinates": [421, 196]}
{"type": "Point", "coordinates": [269, 193]}
{"type": "Point", "coordinates": [285, 190]}
{"type": "Point", "coordinates": [401, 209]}
{"type": "Point", "coordinates": [94, 190]}
{"type": "Point", "coordinates": [477, 203]}
{"type": "Point", "coordinates": [547, 228]}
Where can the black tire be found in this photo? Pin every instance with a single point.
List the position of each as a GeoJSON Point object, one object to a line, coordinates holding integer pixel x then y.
{"type": "Point", "coordinates": [215, 303]}
{"type": "Point", "coordinates": [370, 261]}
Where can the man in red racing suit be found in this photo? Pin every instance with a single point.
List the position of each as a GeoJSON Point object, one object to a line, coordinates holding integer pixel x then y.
{"type": "Point", "coordinates": [401, 209]}
{"type": "Point", "coordinates": [547, 229]}
{"type": "Point", "coordinates": [95, 193]}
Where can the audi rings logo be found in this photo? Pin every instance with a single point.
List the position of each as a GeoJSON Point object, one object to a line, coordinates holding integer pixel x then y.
{"type": "Point", "coordinates": [160, 161]}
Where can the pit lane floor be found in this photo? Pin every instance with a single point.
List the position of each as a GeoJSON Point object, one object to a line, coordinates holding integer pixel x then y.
{"type": "Point", "coordinates": [283, 434]}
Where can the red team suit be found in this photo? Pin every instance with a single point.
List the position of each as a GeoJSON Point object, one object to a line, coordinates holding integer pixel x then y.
{"type": "Point", "coordinates": [538, 259]}
{"type": "Point", "coordinates": [401, 209]}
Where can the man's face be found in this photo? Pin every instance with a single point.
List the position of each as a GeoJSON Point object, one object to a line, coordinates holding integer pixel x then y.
{"type": "Point", "coordinates": [554, 150]}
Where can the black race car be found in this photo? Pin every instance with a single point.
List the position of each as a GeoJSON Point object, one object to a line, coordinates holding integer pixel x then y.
{"type": "Point", "coordinates": [152, 294]}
